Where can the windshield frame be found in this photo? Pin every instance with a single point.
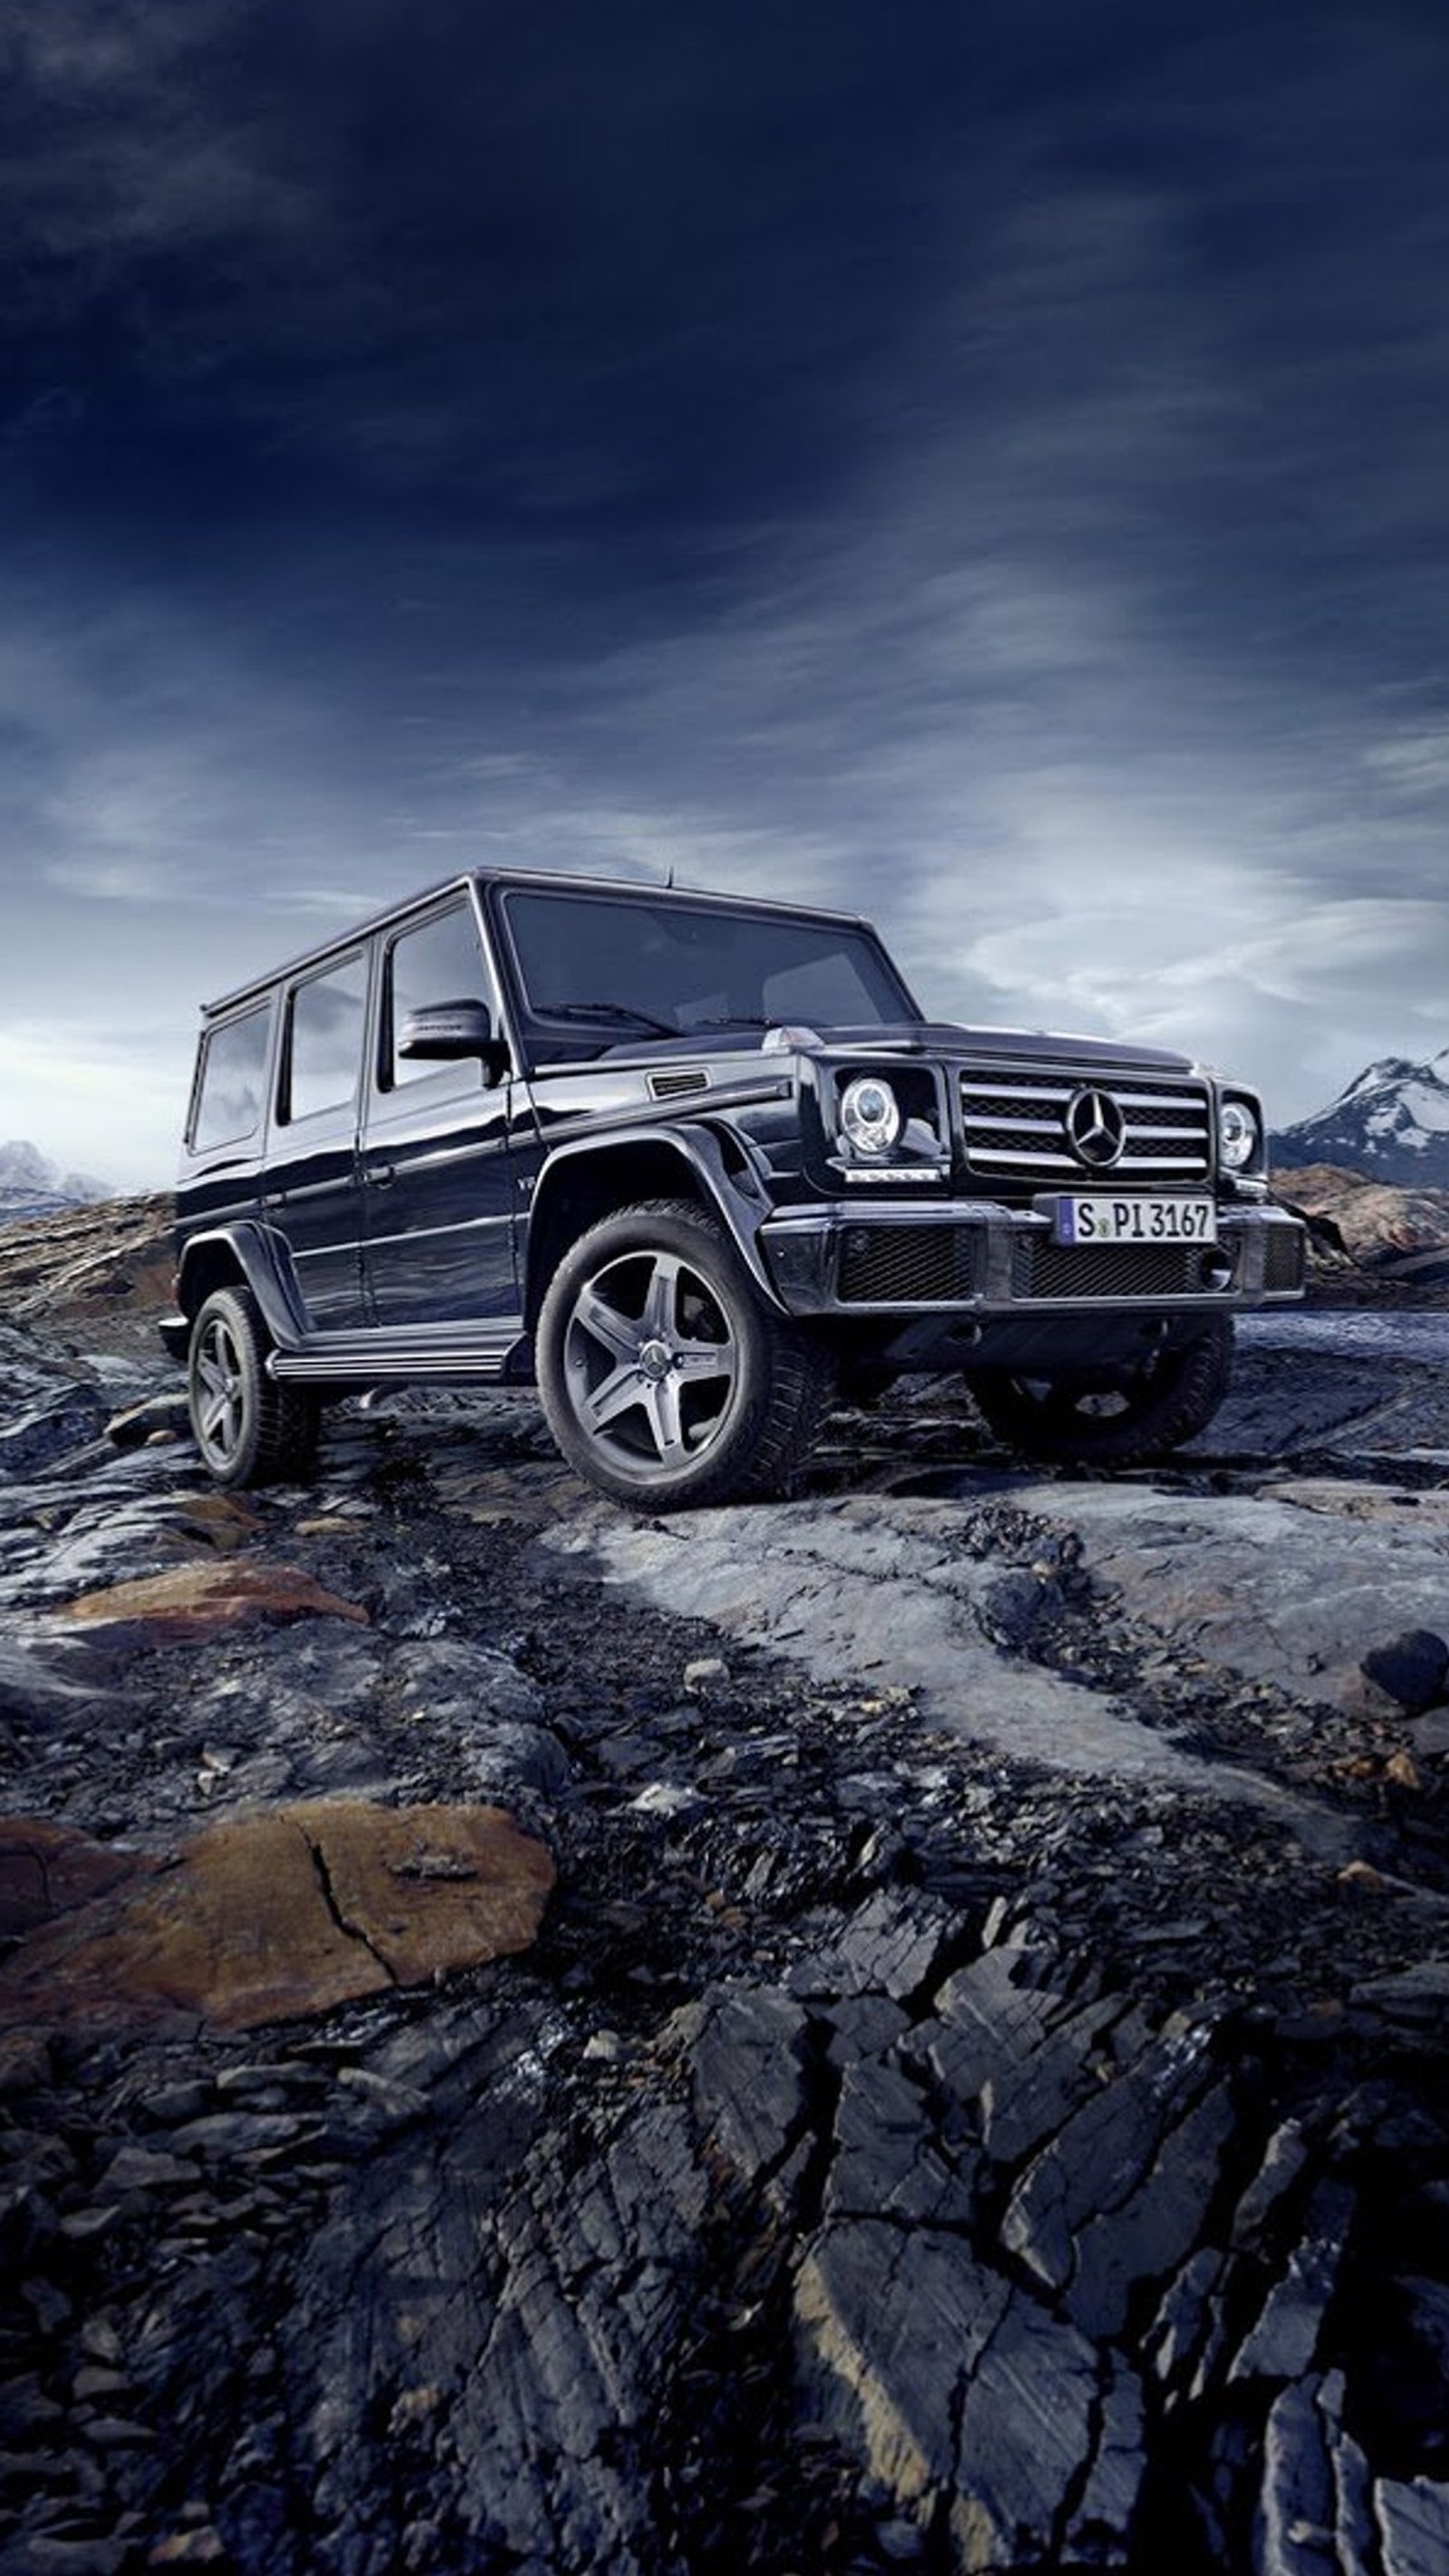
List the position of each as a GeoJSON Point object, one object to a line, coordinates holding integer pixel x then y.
{"type": "Point", "coordinates": [566, 1033]}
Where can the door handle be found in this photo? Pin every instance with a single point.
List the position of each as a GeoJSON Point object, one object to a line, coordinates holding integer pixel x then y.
{"type": "Point", "coordinates": [380, 1174]}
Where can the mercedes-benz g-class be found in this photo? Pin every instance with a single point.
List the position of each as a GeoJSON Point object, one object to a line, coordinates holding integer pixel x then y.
{"type": "Point", "coordinates": [691, 1163]}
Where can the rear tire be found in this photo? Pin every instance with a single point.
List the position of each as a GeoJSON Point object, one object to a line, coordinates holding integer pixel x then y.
{"type": "Point", "coordinates": [666, 1379]}
{"type": "Point", "coordinates": [248, 1429]}
{"type": "Point", "coordinates": [1092, 1419]}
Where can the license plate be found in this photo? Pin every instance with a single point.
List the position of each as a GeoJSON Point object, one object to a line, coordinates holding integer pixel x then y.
{"type": "Point", "coordinates": [1137, 1220]}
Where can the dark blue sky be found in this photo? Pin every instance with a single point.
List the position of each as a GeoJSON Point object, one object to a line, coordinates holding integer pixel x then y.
{"type": "Point", "coordinates": [982, 464]}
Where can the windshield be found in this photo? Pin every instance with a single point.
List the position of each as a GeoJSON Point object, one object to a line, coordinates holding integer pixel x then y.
{"type": "Point", "coordinates": [652, 965]}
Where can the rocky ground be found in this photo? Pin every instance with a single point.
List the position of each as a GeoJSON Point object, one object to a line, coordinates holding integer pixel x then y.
{"type": "Point", "coordinates": [902, 2029]}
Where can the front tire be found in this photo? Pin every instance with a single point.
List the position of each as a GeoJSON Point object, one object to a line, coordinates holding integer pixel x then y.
{"type": "Point", "coordinates": [1095, 1420]}
{"type": "Point", "coordinates": [666, 1379]}
{"type": "Point", "coordinates": [248, 1429]}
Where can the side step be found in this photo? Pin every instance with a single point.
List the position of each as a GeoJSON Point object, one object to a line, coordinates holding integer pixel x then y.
{"type": "Point", "coordinates": [366, 1359]}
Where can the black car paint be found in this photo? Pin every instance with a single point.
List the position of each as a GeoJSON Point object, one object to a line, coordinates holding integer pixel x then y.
{"type": "Point", "coordinates": [400, 1235]}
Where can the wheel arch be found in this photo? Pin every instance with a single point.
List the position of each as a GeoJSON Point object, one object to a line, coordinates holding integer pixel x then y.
{"type": "Point", "coordinates": [585, 1181]}
{"type": "Point", "coordinates": [239, 1256]}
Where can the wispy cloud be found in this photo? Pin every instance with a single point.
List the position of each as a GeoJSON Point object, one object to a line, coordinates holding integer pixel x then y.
{"type": "Point", "coordinates": [992, 484]}
{"type": "Point", "coordinates": [119, 145]}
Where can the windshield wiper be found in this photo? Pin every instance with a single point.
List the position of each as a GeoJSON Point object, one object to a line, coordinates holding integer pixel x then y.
{"type": "Point", "coordinates": [731, 1020]}
{"type": "Point", "coordinates": [623, 1014]}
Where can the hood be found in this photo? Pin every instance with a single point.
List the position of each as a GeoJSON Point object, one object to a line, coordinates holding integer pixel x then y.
{"type": "Point", "coordinates": [921, 1038]}
{"type": "Point", "coordinates": [1010, 1046]}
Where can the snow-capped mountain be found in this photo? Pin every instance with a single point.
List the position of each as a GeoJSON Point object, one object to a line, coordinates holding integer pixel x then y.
{"type": "Point", "coordinates": [1392, 1122]}
{"type": "Point", "coordinates": [31, 1185]}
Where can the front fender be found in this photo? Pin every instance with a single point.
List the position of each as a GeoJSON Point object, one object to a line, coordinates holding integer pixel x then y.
{"type": "Point", "coordinates": [641, 1156]}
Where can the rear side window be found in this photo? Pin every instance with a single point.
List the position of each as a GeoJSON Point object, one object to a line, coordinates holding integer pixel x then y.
{"type": "Point", "coordinates": [440, 961]}
{"type": "Point", "coordinates": [324, 1053]}
{"type": "Point", "coordinates": [233, 1081]}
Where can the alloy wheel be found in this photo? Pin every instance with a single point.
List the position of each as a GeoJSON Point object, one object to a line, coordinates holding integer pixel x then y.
{"type": "Point", "coordinates": [221, 1392]}
{"type": "Point", "coordinates": [651, 1360]}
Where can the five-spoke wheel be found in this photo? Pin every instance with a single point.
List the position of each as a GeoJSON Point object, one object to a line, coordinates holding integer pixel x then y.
{"type": "Point", "coordinates": [219, 1390]}
{"type": "Point", "coordinates": [246, 1426]}
{"type": "Point", "coordinates": [666, 1377]}
{"type": "Point", "coordinates": [652, 1358]}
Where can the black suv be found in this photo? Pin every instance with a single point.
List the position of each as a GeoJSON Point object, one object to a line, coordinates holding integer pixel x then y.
{"type": "Point", "coordinates": [695, 1163]}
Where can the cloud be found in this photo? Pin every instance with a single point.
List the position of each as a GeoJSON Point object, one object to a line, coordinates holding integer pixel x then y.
{"type": "Point", "coordinates": [990, 486]}
{"type": "Point", "coordinates": [1413, 764]}
{"type": "Point", "coordinates": [118, 145]}
{"type": "Point", "coordinates": [108, 1100]}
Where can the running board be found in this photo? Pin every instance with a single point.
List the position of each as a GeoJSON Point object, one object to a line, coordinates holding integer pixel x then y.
{"type": "Point", "coordinates": [369, 1358]}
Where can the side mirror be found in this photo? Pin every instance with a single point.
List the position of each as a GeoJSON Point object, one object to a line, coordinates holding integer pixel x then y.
{"type": "Point", "coordinates": [450, 1032]}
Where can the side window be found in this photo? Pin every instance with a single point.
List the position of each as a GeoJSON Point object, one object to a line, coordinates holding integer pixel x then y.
{"type": "Point", "coordinates": [233, 1075]}
{"type": "Point", "coordinates": [440, 961]}
{"type": "Point", "coordinates": [325, 1039]}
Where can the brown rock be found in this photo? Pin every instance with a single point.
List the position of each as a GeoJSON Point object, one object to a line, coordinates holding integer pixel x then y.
{"type": "Point", "coordinates": [103, 1272]}
{"type": "Point", "coordinates": [274, 1916]}
{"type": "Point", "coordinates": [47, 1870]}
{"type": "Point", "coordinates": [25, 2063]}
{"type": "Point", "coordinates": [200, 1600]}
{"type": "Point", "coordinates": [159, 1417]}
{"type": "Point", "coordinates": [220, 1519]}
{"type": "Point", "coordinates": [201, 2547]}
{"type": "Point", "coordinates": [1362, 1875]}
{"type": "Point", "coordinates": [1373, 1220]}
{"type": "Point", "coordinates": [1404, 1771]}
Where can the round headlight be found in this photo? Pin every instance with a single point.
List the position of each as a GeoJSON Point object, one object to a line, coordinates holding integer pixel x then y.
{"type": "Point", "coordinates": [870, 1114]}
{"type": "Point", "coordinates": [1237, 1135]}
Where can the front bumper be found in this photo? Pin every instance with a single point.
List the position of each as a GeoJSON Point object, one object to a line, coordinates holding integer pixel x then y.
{"type": "Point", "coordinates": [974, 1262]}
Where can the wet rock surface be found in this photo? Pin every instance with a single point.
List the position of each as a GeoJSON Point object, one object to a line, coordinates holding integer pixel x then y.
{"type": "Point", "coordinates": [974, 2097]}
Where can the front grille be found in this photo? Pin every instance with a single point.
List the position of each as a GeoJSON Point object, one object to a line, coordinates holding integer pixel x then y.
{"type": "Point", "coordinates": [1044, 1269]}
{"type": "Point", "coordinates": [906, 1265]}
{"type": "Point", "coordinates": [1283, 1256]}
{"type": "Point", "coordinates": [1017, 1128]}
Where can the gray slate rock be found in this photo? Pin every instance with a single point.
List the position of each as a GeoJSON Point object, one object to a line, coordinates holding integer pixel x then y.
{"type": "Point", "coordinates": [1028, 2430]}
{"type": "Point", "coordinates": [886, 2160]}
{"type": "Point", "coordinates": [747, 2065]}
{"type": "Point", "coordinates": [49, 1430]}
{"type": "Point", "coordinates": [1283, 2343]}
{"type": "Point", "coordinates": [891, 2326]}
{"type": "Point", "coordinates": [1294, 2531]}
{"type": "Point", "coordinates": [1101, 2159]}
{"type": "Point", "coordinates": [1413, 2520]}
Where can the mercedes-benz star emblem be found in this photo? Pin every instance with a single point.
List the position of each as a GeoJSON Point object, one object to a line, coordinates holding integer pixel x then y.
{"type": "Point", "coordinates": [1096, 1128]}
